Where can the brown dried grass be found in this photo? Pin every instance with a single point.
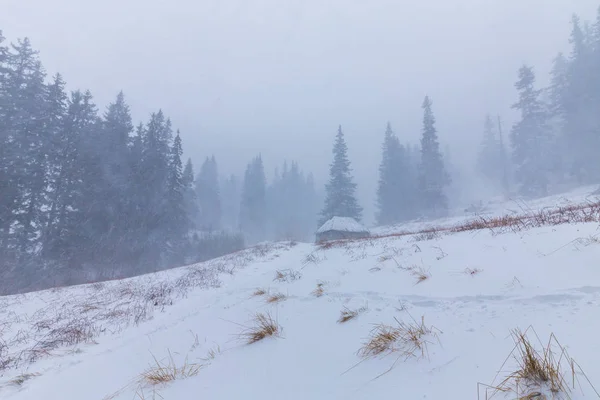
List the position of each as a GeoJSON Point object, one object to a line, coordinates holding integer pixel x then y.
{"type": "Point", "coordinates": [264, 326]}
{"type": "Point", "coordinates": [347, 314]}
{"type": "Point", "coordinates": [408, 338]}
{"type": "Point", "coordinates": [539, 369]}
{"type": "Point", "coordinates": [164, 372]}
{"type": "Point", "coordinates": [276, 298]}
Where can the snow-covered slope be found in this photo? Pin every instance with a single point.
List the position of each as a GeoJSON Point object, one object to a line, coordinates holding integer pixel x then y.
{"type": "Point", "coordinates": [472, 289]}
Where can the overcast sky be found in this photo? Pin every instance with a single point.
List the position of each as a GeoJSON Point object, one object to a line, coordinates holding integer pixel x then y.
{"type": "Point", "coordinates": [278, 76]}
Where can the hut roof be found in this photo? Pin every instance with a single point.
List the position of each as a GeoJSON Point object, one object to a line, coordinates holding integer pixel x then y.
{"type": "Point", "coordinates": [342, 224]}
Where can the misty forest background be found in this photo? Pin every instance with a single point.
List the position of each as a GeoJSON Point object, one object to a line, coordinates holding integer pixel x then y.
{"type": "Point", "coordinates": [86, 195]}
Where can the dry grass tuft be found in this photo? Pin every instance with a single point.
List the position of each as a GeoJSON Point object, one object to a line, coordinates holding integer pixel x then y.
{"type": "Point", "coordinates": [420, 275]}
{"type": "Point", "coordinates": [259, 292]}
{"type": "Point", "coordinates": [347, 314]}
{"type": "Point", "coordinates": [472, 271]}
{"type": "Point", "coordinates": [264, 326]}
{"type": "Point", "coordinates": [287, 275]}
{"type": "Point", "coordinates": [21, 379]}
{"type": "Point", "coordinates": [161, 372]}
{"type": "Point", "coordinates": [410, 339]}
{"type": "Point", "coordinates": [276, 298]}
{"type": "Point", "coordinates": [319, 291]}
{"type": "Point", "coordinates": [212, 353]}
{"type": "Point", "coordinates": [549, 371]}
{"type": "Point", "coordinates": [382, 338]}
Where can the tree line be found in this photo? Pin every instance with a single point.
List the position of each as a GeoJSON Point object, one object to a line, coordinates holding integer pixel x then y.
{"type": "Point", "coordinates": [88, 195]}
{"type": "Point", "coordinates": [552, 146]}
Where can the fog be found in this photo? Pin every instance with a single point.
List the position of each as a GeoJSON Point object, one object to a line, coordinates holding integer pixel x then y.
{"type": "Point", "coordinates": [240, 77]}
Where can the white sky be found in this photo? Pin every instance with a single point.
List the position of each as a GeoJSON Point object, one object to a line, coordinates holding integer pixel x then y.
{"type": "Point", "coordinates": [278, 76]}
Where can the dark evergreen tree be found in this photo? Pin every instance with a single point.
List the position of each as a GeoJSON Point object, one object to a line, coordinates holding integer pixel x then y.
{"type": "Point", "coordinates": [207, 192]}
{"type": "Point", "coordinates": [395, 189]}
{"type": "Point", "coordinates": [291, 200]}
{"type": "Point", "coordinates": [154, 178]}
{"type": "Point", "coordinates": [580, 103]}
{"type": "Point", "coordinates": [253, 213]}
{"type": "Point", "coordinates": [490, 161]}
{"type": "Point", "coordinates": [191, 201]}
{"type": "Point", "coordinates": [177, 213]}
{"type": "Point", "coordinates": [26, 106]}
{"type": "Point", "coordinates": [530, 138]}
{"type": "Point", "coordinates": [340, 200]}
{"type": "Point", "coordinates": [433, 177]}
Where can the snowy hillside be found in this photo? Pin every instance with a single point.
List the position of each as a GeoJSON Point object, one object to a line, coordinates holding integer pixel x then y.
{"type": "Point", "coordinates": [425, 315]}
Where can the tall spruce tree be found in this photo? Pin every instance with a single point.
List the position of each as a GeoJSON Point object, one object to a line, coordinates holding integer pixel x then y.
{"type": "Point", "coordinates": [191, 201]}
{"type": "Point", "coordinates": [253, 210]}
{"type": "Point", "coordinates": [395, 189]}
{"type": "Point", "coordinates": [177, 215]}
{"type": "Point", "coordinates": [490, 159]}
{"type": "Point", "coordinates": [340, 200]}
{"type": "Point", "coordinates": [209, 198]}
{"type": "Point", "coordinates": [291, 201]}
{"type": "Point", "coordinates": [25, 126]}
{"type": "Point", "coordinates": [580, 103]}
{"type": "Point", "coordinates": [433, 177]}
{"type": "Point", "coordinates": [530, 137]}
{"type": "Point", "coordinates": [155, 176]}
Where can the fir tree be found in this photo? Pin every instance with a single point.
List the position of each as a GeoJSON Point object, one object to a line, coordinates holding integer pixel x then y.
{"type": "Point", "coordinates": [253, 213]}
{"type": "Point", "coordinates": [580, 103]}
{"type": "Point", "coordinates": [207, 192]}
{"type": "Point", "coordinates": [490, 159]}
{"type": "Point", "coordinates": [25, 126]}
{"type": "Point", "coordinates": [190, 198]}
{"type": "Point", "coordinates": [340, 200]}
{"type": "Point", "coordinates": [394, 192]}
{"type": "Point", "coordinates": [177, 217]}
{"type": "Point", "coordinates": [530, 137]}
{"type": "Point", "coordinates": [433, 177]}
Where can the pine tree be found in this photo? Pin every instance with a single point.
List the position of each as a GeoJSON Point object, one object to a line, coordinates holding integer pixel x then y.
{"type": "Point", "coordinates": [154, 179]}
{"type": "Point", "coordinates": [190, 198]}
{"type": "Point", "coordinates": [207, 192]}
{"type": "Point", "coordinates": [530, 137]}
{"type": "Point", "coordinates": [291, 202]}
{"type": "Point", "coordinates": [114, 152]}
{"type": "Point", "coordinates": [253, 213]}
{"type": "Point", "coordinates": [340, 198]}
{"type": "Point", "coordinates": [580, 103]}
{"type": "Point", "coordinates": [25, 127]}
{"type": "Point", "coordinates": [394, 192]}
{"type": "Point", "coordinates": [490, 160]}
{"type": "Point", "coordinates": [433, 177]}
{"type": "Point", "coordinates": [177, 217]}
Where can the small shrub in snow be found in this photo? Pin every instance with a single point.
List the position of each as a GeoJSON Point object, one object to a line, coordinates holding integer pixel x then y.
{"type": "Point", "coordinates": [19, 380]}
{"type": "Point", "coordinates": [419, 273]}
{"type": "Point", "coordinates": [543, 370]}
{"type": "Point", "coordinates": [212, 353]}
{"type": "Point", "coordinates": [259, 292]}
{"type": "Point", "coordinates": [320, 290]}
{"type": "Point", "coordinates": [276, 298]}
{"type": "Point", "coordinates": [287, 275]}
{"type": "Point", "coordinates": [164, 372]}
{"type": "Point", "coordinates": [540, 371]}
{"type": "Point", "coordinates": [410, 339]}
{"type": "Point", "coordinates": [264, 326]}
{"type": "Point", "coordinates": [472, 271]}
{"type": "Point", "coordinates": [348, 314]}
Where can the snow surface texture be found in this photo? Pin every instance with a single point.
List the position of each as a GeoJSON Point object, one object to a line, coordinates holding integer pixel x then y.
{"type": "Point", "coordinates": [471, 289]}
{"type": "Point", "coordinates": [342, 224]}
